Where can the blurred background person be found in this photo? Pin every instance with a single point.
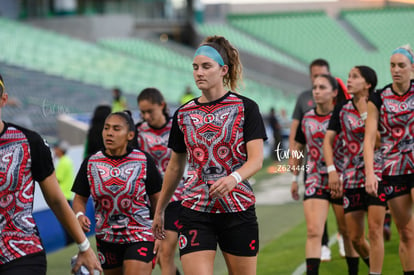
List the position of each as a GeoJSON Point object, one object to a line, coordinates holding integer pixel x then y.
{"type": "Point", "coordinates": [119, 102]}
{"type": "Point", "coordinates": [94, 140]}
{"type": "Point", "coordinates": [152, 136]}
{"type": "Point", "coordinates": [64, 174]}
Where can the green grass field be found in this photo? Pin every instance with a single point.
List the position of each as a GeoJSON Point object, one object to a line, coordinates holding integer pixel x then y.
{"type": "Point", "coordinates": [282, 241]}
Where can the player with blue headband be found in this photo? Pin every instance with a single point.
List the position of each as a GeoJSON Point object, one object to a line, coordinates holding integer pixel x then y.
{"type": "Point", "coordinates": [405, 52]}
{"type": "Point", "coordinates": [210, 52]}
{"type": "Point", "coordinates": [218, 137]}
{"type": "Point", "coordinates": [391, 110]}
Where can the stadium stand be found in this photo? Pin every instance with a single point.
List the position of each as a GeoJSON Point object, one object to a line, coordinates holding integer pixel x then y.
{"type": "Point", "coordinates": [310, 35]}
{"type": "Point", "coordinates": [384, 29]}
{"type": "Point", "coordinates": [250, 44]}
{"type": "Point", "coordinates": [43, 97]}
{"type": "Point", "coordinates": [73, 59]}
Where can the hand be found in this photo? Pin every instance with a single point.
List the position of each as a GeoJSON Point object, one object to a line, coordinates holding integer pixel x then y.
{"type": "Point", "coordinates": [158, 226]}
{"type": "Point", "coordinates": [294, 190]}
{"type": "Point", "coordinates": [222, 187]}
{"type": "Point", "coordinates": [89, 260]}
{"type": "Point", "coordinates": [371, 185]}
{"type": "Point", "coordinates": [85, 223]}
{"type": "Point", "coordinates": [335, 185]}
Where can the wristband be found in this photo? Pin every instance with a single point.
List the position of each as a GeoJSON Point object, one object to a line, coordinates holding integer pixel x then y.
{"type": "Point", "coordinates": [80, 213]}
{"type": "Point", "coordinates": [84, 245]}
{"type": "Point", "coordinates": [331, 168]}
{"type": "Point", "coordinates": [236, 176]}
{"type": "Point", "coordinates": [295, 178]}
{"type": "Point", "coordinates": [364, 116]}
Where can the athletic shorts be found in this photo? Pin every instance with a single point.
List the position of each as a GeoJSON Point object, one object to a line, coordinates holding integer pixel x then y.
{"type": "Point", "coordinates": [32, 264]}
{"type": "Point", "coordinates": [319, 193]}
{"type": "Point", "coordinates": [112, 255]}
{"type": "Point", "coordinates": [236, 233]}
{"type": "Point", "coordinates": [358, 199]}
{"type": "Point", "coordinates": [172, 213]}
{"type": "Point", "coordinates": [395, 186]}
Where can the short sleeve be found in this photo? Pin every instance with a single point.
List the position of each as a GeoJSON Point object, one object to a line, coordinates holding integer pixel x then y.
{"type": "Point", "coordinates": [81, 184]}
{"type": "Point", "coordinates": [254, 126]}
{"type": "Point", "coordinates": [297, 114]}
{"type": "Point", "coordinates": [334, 122]}
{"type": "Point", "coordinates": [153, 182]}
{"type": "Point", "coordinates": [176, 139]}
{"type": "Point", "coordinates": [375, 98]}
{"type": "Point", "coordinates": [42, 163]}
{"type": "Point", "coordinates": [303, 104]}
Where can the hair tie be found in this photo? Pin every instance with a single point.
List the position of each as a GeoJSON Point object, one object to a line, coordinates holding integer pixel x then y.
{"type": "Point", "coordinates": [404, 52]}
{"type": "Point", "coordinates": [210, 52]}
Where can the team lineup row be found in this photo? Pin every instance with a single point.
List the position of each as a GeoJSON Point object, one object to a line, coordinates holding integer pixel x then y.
{"type": "Point", "coordinates": [145, 204]}
{"type": "Point", "coordinates": [361, 159]}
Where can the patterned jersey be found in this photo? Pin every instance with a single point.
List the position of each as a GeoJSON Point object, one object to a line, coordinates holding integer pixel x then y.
{"type": "Point", "coordinates": [154, 141]}
{"type": "Point", "coordinates": [396, 126]}
{"type": "Point", "coordinates": [214, 135]}
{"type": "Point", "coordinates": [24, 159]}
{"type": "Point", "coordinates": [311, 132]}
{"type": "Point", "coordinates": [120, 187]}
{"type": "Point", "coordinates": [347, 121]}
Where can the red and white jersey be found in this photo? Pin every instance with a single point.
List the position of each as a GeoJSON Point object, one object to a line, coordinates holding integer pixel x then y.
{"type": "Point", "coordinates": [120, 187]}
{"type": "Point", "coordinates": [214, 135]}
{"type": "Point", "coordinates": [347, 121]}
{"type": "Point", "coordinates": [24, 159]}
{"type": "Point", "coordinates": [396, 126]}
{"type": "Point", "coordinates": [154, 141]}
{"type": "Point", "coordinates": [311, 132]}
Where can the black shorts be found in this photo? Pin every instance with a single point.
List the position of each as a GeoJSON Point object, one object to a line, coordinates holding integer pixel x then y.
{"type": "Point", "coordinates": [112, 255]}
{"type": "Point", "coordinates": [358, 199]}
{"type": "Point", "coordinates": [32, 264]}
{"type": "Point", "coordinates": [395, 186]}
{"type": "Point", "coordinates": [323, 194]}
{"type": "Point", "coordinates": [172, 214]}
{"type": "Point", "coordinates": [236, 233]}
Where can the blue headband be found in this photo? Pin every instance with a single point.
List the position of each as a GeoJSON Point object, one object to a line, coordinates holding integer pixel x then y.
{"type": "Point", "coordinates": [404, 52]}
{"type": "Point", "coordinates": [210, 52]}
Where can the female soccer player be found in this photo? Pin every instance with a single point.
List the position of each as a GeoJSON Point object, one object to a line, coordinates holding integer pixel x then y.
{"type": "Point", "coordinates": [24, 159]}
{"type": "Point", "coordinates": [391, 111]}
{"type": "Point", "coordinates": [120, 180]}
{"type": "Point", "coordinates": [153, 134]}
{"type": "Point", "coordinates": [349, 118]}
{"type": "Point", "coordinates": [221, 135]}
{"type": "Point", "coordinates": [317, 197]}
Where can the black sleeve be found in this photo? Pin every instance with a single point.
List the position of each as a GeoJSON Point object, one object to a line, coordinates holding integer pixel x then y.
{"type": "Point", "coordinates": [375, 98]}
{"type": "Point", "coordinates": [253, 122]}
{"type": "Point", "coordinates": [334, 122]}
{"type": "Point", "coordinates": [176, 140]}
{"type": "Point", "coordinates": [300, 135]}
{"type": "Point", "coordinates": [42, 163]}
{"type": "Point", "coordinates": [81, 184]}
{"type": "Point", "coordinates": [153, 182]}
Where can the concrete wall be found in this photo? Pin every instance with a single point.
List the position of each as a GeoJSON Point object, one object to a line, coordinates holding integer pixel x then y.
{"type": "Point", "coordinates": [89, 28]}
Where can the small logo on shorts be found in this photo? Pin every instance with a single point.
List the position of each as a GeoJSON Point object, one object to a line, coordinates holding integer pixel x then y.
{"type": "Point", "coordinates": [101, 258]}
{"type": "Point", "coordinates": [182, 241]}
{"type": "Point", "coordinates": [252, 245]}
{"type": "Point", "coordinates": [388, 190]}
{"type": "Point", "coordinates": [310, 191]}
{"type": "Point", "coordinates": [346, 202]}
